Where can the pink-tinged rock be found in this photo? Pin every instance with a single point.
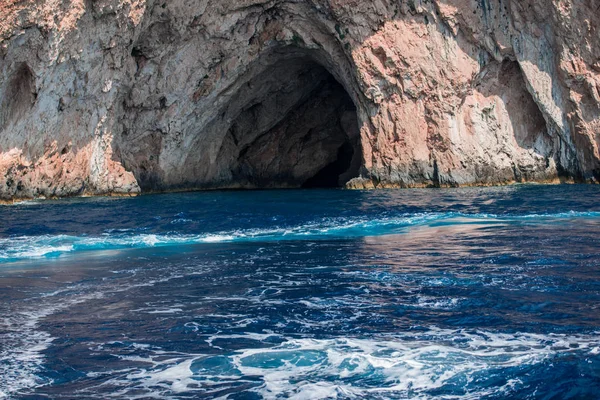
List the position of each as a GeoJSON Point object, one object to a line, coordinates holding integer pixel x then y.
{"type": "Point", "coordinates": [123, 96]}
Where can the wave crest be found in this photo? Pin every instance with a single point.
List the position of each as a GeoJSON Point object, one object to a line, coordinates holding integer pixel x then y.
{"type": "Point", "coordinates": [31, 247]}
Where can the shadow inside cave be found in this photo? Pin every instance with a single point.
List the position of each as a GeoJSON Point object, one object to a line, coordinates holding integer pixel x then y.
{"type": "Point", "coordinates": [292, 125]}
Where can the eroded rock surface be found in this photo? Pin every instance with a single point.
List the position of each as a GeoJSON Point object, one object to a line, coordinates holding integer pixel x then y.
{"type": "Point", "coordinates": [118, 96]}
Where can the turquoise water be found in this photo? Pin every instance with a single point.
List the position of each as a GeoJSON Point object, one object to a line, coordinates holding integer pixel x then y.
{"type": "Point", "coordinates": [472, 293]}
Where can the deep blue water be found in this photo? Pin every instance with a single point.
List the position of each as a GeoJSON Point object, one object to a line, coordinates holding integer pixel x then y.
{"type": "Point", "coordinates": [482, 293]}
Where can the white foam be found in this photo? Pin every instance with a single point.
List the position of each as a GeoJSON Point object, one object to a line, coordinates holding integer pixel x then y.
{"type": "Point", "coordinates": [217, 238]}
{"type": "Point", "coordinates": [437, 303]}
{"type": "Point", "coordinates": [21, 355]}
{"type": "Point", "coordinates": [24, 247]}
{"type": "Point", "coordinates": [388, 366]}
{"type": "Point", "coordinates": [177, 377]}
{"type": "Point", "coordinates": [22, 343]}
{"type": "Point", "coordinates": [165, 311]}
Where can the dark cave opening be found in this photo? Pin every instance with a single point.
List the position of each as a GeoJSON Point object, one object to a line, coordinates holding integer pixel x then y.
{"type": "Point", "coordinates": [20, 95]}
{"type": "Point", "coordinates": [297, 128]}
{"type": "Point", "coordinates": [331, 175]}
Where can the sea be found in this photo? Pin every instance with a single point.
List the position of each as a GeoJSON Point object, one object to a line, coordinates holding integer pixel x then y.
{"type": "Point", "coordinates": [468, 293]}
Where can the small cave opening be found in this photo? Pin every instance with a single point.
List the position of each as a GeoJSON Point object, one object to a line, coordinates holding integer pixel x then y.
{"type": "Point", "coordinates": [19, 95]}
{"type": "Point", "coordinates": [331, 175]}
{"type": "Point", "coordinates": [293, 125]}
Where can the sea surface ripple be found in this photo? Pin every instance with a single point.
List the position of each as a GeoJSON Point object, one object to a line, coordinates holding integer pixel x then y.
{"type": "Point", "coordinates": [478, 293]}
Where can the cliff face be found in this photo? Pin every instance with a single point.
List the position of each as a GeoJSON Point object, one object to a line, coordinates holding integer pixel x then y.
{"type": "Point", "coordinates": [118, 96]}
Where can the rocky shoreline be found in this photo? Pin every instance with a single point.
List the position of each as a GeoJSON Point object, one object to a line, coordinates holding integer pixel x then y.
{"type": "Point", "coordinates": [125, 97]}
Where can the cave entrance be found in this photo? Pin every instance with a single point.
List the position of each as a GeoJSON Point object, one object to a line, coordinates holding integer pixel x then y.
{"type": "Point", "coordinates": [294, 126]}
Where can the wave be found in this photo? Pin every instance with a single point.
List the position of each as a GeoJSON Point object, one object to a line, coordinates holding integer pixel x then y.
{"type": "Point", "coordinates": [440, 363]}
{"type": "Point", "coordinates": [23, 361]}
{"type": "Point", "coordinates": [48, 246]}
{"type": "Point", "coordinates": [23, 344]}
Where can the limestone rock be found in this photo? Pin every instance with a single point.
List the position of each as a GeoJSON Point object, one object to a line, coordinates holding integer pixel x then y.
{"type": "Point", "coordinates": [123, 96]}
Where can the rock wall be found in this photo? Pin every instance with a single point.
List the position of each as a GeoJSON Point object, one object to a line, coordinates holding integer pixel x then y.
{"type": "Point", "coordinates": [119, 96]}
